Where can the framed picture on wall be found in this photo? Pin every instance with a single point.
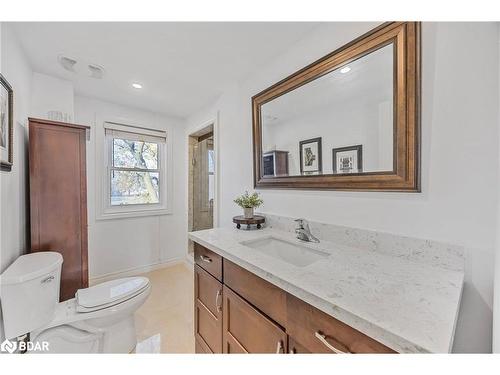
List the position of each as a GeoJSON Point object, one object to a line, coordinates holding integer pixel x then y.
{"type": "Point", "coordinates": [348, 159]}
{"type": "Point", "coordinates": [6, 125]}
{"type": "Point", "coordinates": [310, 156]}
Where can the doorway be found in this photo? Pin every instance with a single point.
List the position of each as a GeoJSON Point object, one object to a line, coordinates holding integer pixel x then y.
{"type": "Point", "coordinates": [201, 180]}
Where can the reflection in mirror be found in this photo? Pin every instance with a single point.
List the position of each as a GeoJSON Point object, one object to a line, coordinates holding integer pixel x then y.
{"type": "Point", "coordinates": [341, 122]}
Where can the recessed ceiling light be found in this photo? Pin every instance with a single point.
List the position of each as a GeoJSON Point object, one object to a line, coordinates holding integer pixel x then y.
{"type": "Point", "coordinates": [136, 85]}
{"type": "Point", "coordinates": [345, 69]}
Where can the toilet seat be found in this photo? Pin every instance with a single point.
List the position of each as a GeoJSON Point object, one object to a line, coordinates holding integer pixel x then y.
{"type": "Point", "coordinates": [109, 293]}
{"type": "Point", "coordinates": [115, 321]}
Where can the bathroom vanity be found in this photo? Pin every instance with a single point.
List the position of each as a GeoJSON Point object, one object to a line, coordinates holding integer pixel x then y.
{"type": "Point", "coordinates": [267, 292]}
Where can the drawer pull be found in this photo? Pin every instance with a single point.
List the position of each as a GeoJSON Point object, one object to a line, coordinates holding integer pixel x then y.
{"type": "Point", "coordinates": [279, 347]}
{"type": "Point", "coordinates": [206, 259]}
{"type": "Point", "coordinates": [321, 337]}
{"type": "Point", "coordinates": [217, 296]}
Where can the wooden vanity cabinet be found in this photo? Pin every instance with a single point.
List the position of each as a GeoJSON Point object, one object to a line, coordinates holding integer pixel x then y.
{"type": "Point", "coordinates": [318, 332]}
{"type": "Point", "coordinates": [260, 293]}
{"type": "Point", "coordinates": [247, 330]}
{"type": "Point", "coordinates": [295, 347]}
{"type": "Point", "coordinates": [208, 312]}
{"type": "Point", "coordinates": [208, 260]}
{"type": "Point", "coordinates": [238, 312]}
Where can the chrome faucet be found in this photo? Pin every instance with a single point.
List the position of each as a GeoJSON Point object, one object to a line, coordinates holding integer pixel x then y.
{"type": "Point", "coordinates": [303, 231]}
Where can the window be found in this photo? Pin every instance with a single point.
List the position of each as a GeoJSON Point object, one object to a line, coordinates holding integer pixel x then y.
{"type": "Point", "coordinates": [135, 178]}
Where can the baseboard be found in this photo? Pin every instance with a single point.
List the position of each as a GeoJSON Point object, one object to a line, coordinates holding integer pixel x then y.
{"type": "Point", "coordinates": [138, 270]}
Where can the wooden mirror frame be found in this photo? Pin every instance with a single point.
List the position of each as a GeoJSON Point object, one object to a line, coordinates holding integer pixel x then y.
{"type": "Point", "coordinates": [405, 176]}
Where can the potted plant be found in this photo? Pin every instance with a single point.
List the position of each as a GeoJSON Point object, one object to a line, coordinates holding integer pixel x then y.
{"type": "Point", "coordinates": [248, 203]}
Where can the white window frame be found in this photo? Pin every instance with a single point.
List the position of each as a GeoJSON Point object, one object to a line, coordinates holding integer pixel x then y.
{"type": "Point", "coordinates": [107, 211]}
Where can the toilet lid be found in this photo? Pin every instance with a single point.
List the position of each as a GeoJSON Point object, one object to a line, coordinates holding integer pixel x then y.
{"type": "Point", "coordinates": [110, 291]}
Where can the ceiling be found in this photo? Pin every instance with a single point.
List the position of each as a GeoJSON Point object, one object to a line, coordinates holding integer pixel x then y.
{"type": "Point", "coordinates": [182, 66]}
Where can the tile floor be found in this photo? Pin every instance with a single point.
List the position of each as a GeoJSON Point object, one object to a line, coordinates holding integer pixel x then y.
{"type": "Point", "coordinates": [164, 324]}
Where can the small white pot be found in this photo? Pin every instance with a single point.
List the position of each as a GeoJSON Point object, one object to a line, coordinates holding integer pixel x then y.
{"type": "Point", "coordinates": [248, 212]}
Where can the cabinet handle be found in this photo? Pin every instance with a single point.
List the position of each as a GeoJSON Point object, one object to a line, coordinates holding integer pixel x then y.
{"type": "Point", "coordinates": [217, 296]}
{"type": "Point", "coordinates": [205, 259]}
{"type": "Point", "coordinates": [279, 347]}
{"type": "Point", "coordinates": [321, 337]}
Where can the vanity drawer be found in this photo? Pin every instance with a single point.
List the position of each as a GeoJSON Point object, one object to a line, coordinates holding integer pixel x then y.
{"type": "Point", "coordinates": [247, 330]}
{"type": "Point", "coordinates": [208, 311]}
{"type": "Point", "coordinates": [320, 333]}
{"type": "Point", "coordinates": [268, 298]}
{"type": "Point", "coordinates": [208, 260]}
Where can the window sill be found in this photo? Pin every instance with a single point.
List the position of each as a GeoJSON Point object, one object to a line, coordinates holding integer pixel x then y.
{"type": "Point", "coordinates": [113, 215]}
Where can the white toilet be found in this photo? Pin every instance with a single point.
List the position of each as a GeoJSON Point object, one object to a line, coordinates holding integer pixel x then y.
{"type": "Point", "coordinates": [100, 319]}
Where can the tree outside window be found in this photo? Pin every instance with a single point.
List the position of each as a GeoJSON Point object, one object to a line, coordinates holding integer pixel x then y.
{"type": "Point", "coordinates": [135, 174]}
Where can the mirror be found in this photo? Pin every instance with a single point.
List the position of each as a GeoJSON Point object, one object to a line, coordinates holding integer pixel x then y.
{"type": "Point", "coordinates": [339, 123]}
{"type": "Point", "coordinates": [348, 121]}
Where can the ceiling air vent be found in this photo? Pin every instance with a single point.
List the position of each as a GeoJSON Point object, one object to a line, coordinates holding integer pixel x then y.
{"type": "Point", "coordinates": [67, 63]}
{"type": "Point", "coordinates": [96, 71]}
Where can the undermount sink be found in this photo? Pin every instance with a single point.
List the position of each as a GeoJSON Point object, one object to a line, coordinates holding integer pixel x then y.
{"type": "Point", "coordinates": [289, 252]}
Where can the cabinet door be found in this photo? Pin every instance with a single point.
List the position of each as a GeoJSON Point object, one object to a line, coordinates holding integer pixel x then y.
{"type": "Point", "coordinates": [246, 330]}
{"type": "Point", "coordinates": [295, 347]}
{"type": "Point", "coordinates": [208, 312]}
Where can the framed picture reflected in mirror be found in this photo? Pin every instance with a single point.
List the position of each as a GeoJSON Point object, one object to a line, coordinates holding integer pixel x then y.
{"type": "Point", "coordinates": [348, 159]}
{"type": "Point", "coordinates": [310, 156]}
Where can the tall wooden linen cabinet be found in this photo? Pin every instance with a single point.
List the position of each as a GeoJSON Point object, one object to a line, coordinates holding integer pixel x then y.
{"type": "Point", "coordinates": [58, 198]}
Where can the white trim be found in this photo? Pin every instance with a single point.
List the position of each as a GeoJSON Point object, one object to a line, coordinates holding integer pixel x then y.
{"type": "Point", "coordinates": [137, 211]}
{"type": "Point", "coordinates": [217, 184]}
{"type": "Point", "coordinates": [135, 271]}
{"type": "Point", "coordinates": [121, 128]}
{"type": "Point", "coordinates": [103, 211]}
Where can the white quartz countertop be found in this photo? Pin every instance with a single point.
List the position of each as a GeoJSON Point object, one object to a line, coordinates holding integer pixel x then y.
{"type": "Point", "coordinates": [408, 306]}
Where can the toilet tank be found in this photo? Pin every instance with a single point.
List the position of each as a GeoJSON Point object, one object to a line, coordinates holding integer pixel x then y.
{"type": "Point", "coordinates": [29, 292]}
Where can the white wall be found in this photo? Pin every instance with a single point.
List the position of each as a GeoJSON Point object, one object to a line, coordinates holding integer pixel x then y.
{"type": "Point", "coordinates": [14, 224]}
{"type": "Point", "coordinates": [459, 174]}
{"type": "Point", "coordinates": [51, 94]}
{"type": "Point", "coordinates": [124, 244]}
